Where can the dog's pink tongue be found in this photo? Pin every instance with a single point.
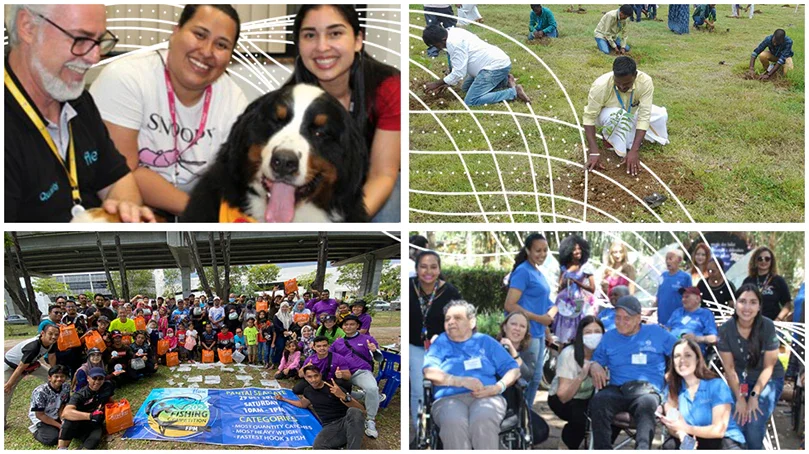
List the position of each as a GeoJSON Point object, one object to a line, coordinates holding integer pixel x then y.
{"type": "Point", "coordinates": [281, 205]}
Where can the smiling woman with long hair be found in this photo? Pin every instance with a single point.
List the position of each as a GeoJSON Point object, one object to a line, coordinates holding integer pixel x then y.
{"type": "Point", "coordinates": [332, 55]}
{"type": "Point", "coordinates": [748, 346]}
{"type": "Point", "coordinates": [429, 294]}
{"type": "Point", "coordinates": [762, 271]}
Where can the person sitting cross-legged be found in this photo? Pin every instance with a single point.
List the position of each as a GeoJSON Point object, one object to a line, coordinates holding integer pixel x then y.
{"type": "Point", "coordinates": [83, 417]}
{"type": "Point", "coordinates": [635, 355]}
{"type": "Point", "coordinates": [341, 415]}
{"type": "Point", "coordinates": [47, 402]}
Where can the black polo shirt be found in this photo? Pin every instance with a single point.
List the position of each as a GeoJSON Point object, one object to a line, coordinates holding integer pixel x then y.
{"type": "Point", "coordinates": [327, 406]}
{"type": "Point", "coordinates": [87, 401]}
{"type": "Point", "coordinates": [36, 187]}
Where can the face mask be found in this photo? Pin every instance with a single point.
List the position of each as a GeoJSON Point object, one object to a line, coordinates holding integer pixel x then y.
{"type": "Point", "coordinates": [591, 341]}
{"type": "Point", "coordinates": [232, 299]}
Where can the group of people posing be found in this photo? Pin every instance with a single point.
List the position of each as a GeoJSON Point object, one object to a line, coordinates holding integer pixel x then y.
{"type": "Point", "coordinates": [288, 333]}
{"type": "Point", "coordinates": [152, 122]}
{"type": "Point", "coordinates": [614, 358]}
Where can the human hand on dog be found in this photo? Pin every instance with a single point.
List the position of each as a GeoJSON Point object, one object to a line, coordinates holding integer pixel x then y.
{"type": "Point", "coordinates": [128, 211]}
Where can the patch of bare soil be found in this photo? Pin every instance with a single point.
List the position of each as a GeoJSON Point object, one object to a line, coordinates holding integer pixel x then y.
{"type": "Point", "coordinates": [606, 196]}
{"type": "Point", "coordinates": [778, 80]}
{"type": "Point", "coordinates": [434, 100]}
{"type": "Point", "coordinates": [578, 10]}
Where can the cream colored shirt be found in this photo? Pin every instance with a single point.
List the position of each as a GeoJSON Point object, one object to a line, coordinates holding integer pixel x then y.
{"type": "Point", "coordinates": [603, 94]}
{"type": "Point", "coordinates": [611, 27]}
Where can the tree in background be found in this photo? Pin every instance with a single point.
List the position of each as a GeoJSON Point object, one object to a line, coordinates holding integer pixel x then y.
{"type": "Point", "coordinates": [259, 277]}
{"type": "Point", "coordinates": [50, 286]}
{"type": "Point", "coordinates": [305, 280]}
{"type": "Point", "coordinates": [351, 276]}
{"type": "Point", "coordinates": [172, 283]}
{"type": "Point", "coordinates": [390, 285]}
{"type": "Point", "coordinates": [141, 282]}
{"type": "Point", "coordinates": [237, 277]}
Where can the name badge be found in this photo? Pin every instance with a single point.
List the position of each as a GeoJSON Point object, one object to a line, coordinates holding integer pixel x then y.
{"type": "Point", "coordinates": [639, 359]}
{"type": "Point", "coordinates": [472, 364]}
{"type": "Point", "coordinates": [686, 319]}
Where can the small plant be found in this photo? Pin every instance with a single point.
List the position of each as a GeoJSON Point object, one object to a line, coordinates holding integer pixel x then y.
{"type": "Point", "coordinates": [620, 123]}
{"type": "Point", "coordinates": [489, 323]}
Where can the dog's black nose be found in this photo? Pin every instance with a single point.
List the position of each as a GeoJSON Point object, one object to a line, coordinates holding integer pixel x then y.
{"type": "Point", "coordinates": [284, 162]}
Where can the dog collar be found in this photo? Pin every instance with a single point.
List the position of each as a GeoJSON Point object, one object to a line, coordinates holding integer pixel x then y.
{"type": "Point", "coordinates": [229, 214]}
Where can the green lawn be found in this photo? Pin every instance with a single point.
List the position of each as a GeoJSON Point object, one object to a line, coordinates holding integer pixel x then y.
{"type": "Point", "coordinates": [17, 435]}
{"type": "Point", "coordinates": [736, 151]}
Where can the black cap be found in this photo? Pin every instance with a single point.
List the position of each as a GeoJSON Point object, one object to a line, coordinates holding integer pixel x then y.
{"type": "Point", "coordinates": [329, 318]}
{"type": "Point", "coordinates": [116, 333]}
{"type": "Point", "coordinates": [630, 304]}
{"type": "Point", "coordinates": [351, 317]}
{"type": "Point", "coordinates": [93, 351]}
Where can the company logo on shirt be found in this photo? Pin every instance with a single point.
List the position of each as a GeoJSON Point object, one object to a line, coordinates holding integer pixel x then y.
{"type": "Point", "coordinates": [45, 195]}
{"type": "Point", "coordinates": [90, 157]}
{"type": "Point", "coordinates": [648, 347]}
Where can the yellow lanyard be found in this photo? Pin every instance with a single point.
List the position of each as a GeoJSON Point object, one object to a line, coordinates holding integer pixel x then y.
{"type": "Point", "coordinates": [29, 110]}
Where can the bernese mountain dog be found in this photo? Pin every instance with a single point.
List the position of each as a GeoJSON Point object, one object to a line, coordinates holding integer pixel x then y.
{"type": "Point", "coordinates": [294, 155]}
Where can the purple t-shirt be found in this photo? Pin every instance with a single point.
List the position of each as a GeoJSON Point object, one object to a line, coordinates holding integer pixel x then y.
{"type": "Point", "coordinates": [310, 304]}
{"type": "Point", "coordinates": [324, 307]}
{"type": "Point", "coordinates": [365, 322]}
{"type": "Point", "coordinates": [337, 360]}
{"type": "Point", "coordinates": [360, 344]}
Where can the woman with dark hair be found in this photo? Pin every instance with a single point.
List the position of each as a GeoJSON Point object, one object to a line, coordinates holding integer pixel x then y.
{"type": "Point", "coordinates": [748, 346]}
{"type": "Point", "coordinates": [576, 287]}
{"type": "Point", "coordinates": [330, 330]}
{"type": "Point", "coordinates": [702, 398]}
{"type": "Point", "coordinates": [429, 293]}
{"type": "Point", "coordinates": [618, 270]}
{"type": "Point", "coordinates": [529, 292]}
{"type": "Point", "coordinates": [331, 51]}
{"type": "Point", "coordinates": [185, 88]}
{"type": "Point", "coordinates": [700, 257]}
{"type": "Point", "coordinates": [360, 309]}
{"type": "Point", "coordinates": [714, 287]}
{"type": "Point", "coordinates": [762, 271]}
{"type": "Point", "coordinates": [572, 387]}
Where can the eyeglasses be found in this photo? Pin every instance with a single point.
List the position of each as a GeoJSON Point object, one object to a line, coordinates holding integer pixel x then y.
{"type": "Point", "coordinates": [83, 45]}
{"type": "Point", "coordinates": [764, 258]}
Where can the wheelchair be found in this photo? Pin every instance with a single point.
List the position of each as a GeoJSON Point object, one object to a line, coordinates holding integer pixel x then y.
{"type": "Point", "coordinates": [622, 423]}
{"type": "Point", "coordinates": [515, 430]}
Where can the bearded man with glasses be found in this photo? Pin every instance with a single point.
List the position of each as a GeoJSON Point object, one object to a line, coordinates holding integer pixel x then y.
{"type": "Point", "coordinates": [59, 158]}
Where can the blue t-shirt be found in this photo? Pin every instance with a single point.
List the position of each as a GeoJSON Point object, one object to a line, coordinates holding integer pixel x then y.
{"type": "Point", "coordinates": [607, 317]}
{"type": "Point", "coordinates": [480, 356]}
{"type": "Point", "coordinates": [699, 323]}
{"type": "Point", "coordinates": [668, 294]}
{"type": "Point", "coordinates": [798, 303]}
{"type": "Point", "coordinates": [641, 356]}
{"type": "Point", "coordinates": [699, 412]}
{"type": "Point", "coordinates": [536, 294]}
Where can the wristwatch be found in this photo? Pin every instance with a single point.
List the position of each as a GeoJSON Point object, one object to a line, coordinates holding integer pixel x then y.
{"type": "Point", "coordinates": [753, 394]}
{"type": "Point", "coordinates": [347, 398]}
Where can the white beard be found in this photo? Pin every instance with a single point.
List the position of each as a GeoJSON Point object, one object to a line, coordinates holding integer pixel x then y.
{"type": "Point", "coordinates": [58, 89]}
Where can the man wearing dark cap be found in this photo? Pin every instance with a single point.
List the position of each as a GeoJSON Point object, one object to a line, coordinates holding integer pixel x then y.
{"type": "Point", "coordinates": [636, 355]}
{"type": "Point", "coordinates": [117, 358]}
{"type": "Point", "coordinates": [83, 417]}
{"type": "Point", "coordinates": [360, 351]}
{"type": "Point", "coordinates": [692, 321]}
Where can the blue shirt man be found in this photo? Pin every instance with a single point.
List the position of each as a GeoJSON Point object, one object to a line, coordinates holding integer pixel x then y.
{"type": "Point", "coordinates": [774, 53]}
{"type": "Point", "coordinates": [668, 293]}
{"type": "Point", "coordinates": [692, 321]}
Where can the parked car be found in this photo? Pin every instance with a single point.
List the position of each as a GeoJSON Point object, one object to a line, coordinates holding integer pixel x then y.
{"type": "Point", "coordinates": [381, 305]}
{"type": "Point", "coordinates": [396, 305]}
{"type": "Point", "coordinates": [16, 320]}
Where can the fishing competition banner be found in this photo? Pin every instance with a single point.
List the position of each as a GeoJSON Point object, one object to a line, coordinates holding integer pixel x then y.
{"type": "Point", "coordinates": [245, 416]}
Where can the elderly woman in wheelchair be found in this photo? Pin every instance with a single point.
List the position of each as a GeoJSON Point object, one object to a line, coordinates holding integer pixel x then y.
{"type": "Point", "coordinates": [469, 405]}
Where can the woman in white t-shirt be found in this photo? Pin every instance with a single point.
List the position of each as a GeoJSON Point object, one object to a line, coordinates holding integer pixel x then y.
{"type": "Point", "coordinates": [168, 112]}
{"type": "Point", "coordinates": [572, 386]}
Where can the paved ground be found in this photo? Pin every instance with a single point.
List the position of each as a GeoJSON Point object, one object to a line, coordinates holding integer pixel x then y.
{"type": "Point", "coordinates": [788, 439]}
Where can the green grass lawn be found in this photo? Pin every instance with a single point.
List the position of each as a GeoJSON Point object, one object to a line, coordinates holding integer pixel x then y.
{"type": "Point", "coordinates": [17, 435]}
{"type": "Point", "coordinates": [19, 331]}
{"type": "Point", "coordinates": [736, 151]}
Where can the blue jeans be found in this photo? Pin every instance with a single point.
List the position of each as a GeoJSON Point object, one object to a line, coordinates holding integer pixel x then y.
{"type": "Point", "coordinates": [445, 22]}
{"type": "Point", "coordinates": [481, 89]}
{"type": "Point", "coordinates": [698, 21]}
{"type": "Point", "coordinates": [416, 379]}
{"type": "Point", "coordinates": [755, 430]}
{"type": "Point", "coordinates": [262, 352]}
{"type": "Point", "coordinates": [538, 348]}
{"type": "Point", "coordinates": [551, 34]}
{"type": "Point", "coordinates": [652, 9]}
{"type": "Point", "coordinates": [638, 9]}
{"type": "Point", "coordinates": [603, 46]}
{"type": "Point", "coordinates": [391, 211]}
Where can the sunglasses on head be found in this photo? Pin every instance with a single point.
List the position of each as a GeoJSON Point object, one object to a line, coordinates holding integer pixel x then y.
{"type": "Point", "coordinates": [762, 258]}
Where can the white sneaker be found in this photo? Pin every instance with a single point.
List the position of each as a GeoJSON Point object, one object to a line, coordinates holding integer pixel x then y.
{"type": "Point", "coordinates": [382, 397]}
{"type": "Point", "coordinates": [370, 429]}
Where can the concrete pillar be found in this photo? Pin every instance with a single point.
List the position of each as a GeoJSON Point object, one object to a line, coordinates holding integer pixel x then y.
{"type": "Point", "coordinates": [371, 275]}
{"type": "Point", "coordinates": [185, 277]}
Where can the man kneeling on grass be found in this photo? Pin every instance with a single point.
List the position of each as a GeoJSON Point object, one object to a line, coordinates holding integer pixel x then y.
{"type": "Point", "coordinates": [484, 68]}
{"type": "Point", "coordinates": [47, 402]}
{"type": "Point", "coordinates": [83, 417]}
{"type": "Point", "coordinates": [620, 106]}
{"type": "Point", "coordinates": [774, 53]}
{"type": "Point", "coordinates": [342, 417]}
